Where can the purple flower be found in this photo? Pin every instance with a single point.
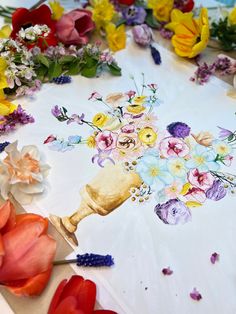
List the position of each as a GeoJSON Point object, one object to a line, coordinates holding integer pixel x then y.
{"type": "Point", "coordinates": [76, 118]}
{"type": "Point", "coordinates": [102, 156]}
{"type": "Point", "coordinates": [166, 33]}
{"type": "Point", "coordinates": [167, 271]}
{"type": "Point", "coordinates": [178, 129]}
{"type": "Point", "coordinates": [203, 73]}
{"type": "Point", "coordinates": [134, 15]}
{"type": "Point", "coordinates": [217, 191]}
{"type": "Point", "coordinates": [173, 212]}
{"type": "Point", "coordinates": [224, 133]}
{"type": "Point", "coordinates": [214, 258]}
{"type": "Point", "coordinates": [195, 295]}
{"type": "Point", "coordinates": [223, 65]}
{"type": "Point", "coordinates": [56, 111]}
{"type": "Point", "coordinates": [142, 35]}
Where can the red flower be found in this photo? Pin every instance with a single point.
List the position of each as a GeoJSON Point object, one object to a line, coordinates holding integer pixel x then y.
{"type": "Point", "coordinates": [26, 252]}
{"type": "Point", "coordinates": [23, 18]}
{"type": "Point", "coordinates": [126, 2]}
{"type": "Point", "coordinates": [188, 6]}
{"type": "Point", "coordinates": [76, 296]}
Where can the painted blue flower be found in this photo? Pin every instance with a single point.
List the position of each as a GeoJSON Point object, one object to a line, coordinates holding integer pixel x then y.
{"type": "Point", "coordinates": [61, 146]}
{"type": "Point", "coordinates": [154, 171]}
{"type": "Point", "coordinates": [152, 101]}
{"type": "Point", "coordinates": [203, 159]}
{"type": "Point", "coordinates": [74, 139]}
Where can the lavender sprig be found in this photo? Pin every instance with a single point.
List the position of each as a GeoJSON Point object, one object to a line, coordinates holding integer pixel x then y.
{"type": "Point", "coordinates": [3, 146]}
{"type": "Point", "coordinates": [89, 260]}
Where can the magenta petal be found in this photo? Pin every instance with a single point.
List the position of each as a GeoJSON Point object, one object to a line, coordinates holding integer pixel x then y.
{"type": "Point", "coordinates": [167, 271]}
{"type": "Point", "coordinates": [214, 257]}
{"type": "Point", "coordinates": [195, 295]}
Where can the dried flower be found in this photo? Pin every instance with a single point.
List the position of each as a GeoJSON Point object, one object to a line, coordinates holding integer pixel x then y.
{"type": "Point", "coordinates": [142, 35]}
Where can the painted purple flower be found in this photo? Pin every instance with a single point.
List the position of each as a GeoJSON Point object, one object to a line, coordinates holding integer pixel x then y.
{"type": "Point", "coordinates": [224, 133]}
{"type": "Point", "coordinates": [167, 271]}
{"type": "Point", "coordinates": [217, 191]}
{"type": "Point", "coordinates": [214, 257]}
{"type": "Point", "coordinates": [142, 35]}
{"type": "Point", "coordinates": [102, 156]}
{"type": "Point", "coordinates": [195, 295]}
{"type": "Point", "coordinates": [173, 212]}
{"type": "Point", "coordinates": [76, 118]}
{"type": "Point", "coordinates": [134, 15]}
{"type": "Point", "coordinates": [56, 111]}
{"type": "Point", "coordinates": [178, 129]}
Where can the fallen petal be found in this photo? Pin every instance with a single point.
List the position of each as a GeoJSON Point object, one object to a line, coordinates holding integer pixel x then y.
{"type": "Point", "coordinates": [214, 258]}
{"type": "Point", "coordinates": [167, 271]}
{"type": "Point", "coordinates": [195, 295]}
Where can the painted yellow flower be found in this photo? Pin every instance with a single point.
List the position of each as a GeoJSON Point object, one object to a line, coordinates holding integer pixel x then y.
{"type": "Point", "coordinates": [116, 37]}
{"type": "Point", "coordinates": [147, 136]}
{"type": "Point", "coordinates": [6, 107]}
{"type": "Point", "coordinates": [5, 31]}
{"type": "Point", "coordinates": [91, 141]}
{"type": "Point", "coordinates": [191, 35]}
{"type": "Point", "coordinates": [232, 16]}
{"type": "Point", "coordinates": [139, 100]}
{"type": "Point", "coordinates": [103, 12]}
{"type": "Point", "coordinates": [3, 79]}
{"type": "Point", "coordinates": [161, 9]}
{"type": "Point", "coordinates": [136, 109]}
{"type": "Point", "coordinates": [100, 119]}
{"type": "Point", "coordinates": [57, 10]}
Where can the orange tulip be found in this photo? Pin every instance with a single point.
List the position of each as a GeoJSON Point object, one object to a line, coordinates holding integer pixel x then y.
{"type": "Point", "coordinates": [26, 251]}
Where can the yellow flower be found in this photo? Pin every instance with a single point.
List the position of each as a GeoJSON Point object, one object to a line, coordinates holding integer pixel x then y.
{"type": "Point", "coordinates": [103, 12]}
{"type": "Point", "coordinates": [3, 79]}
{"type": "Point", "coordinates": [191, 35]}
{"type": "Point", "coordinates": [91, 141]}
{"type": "Point", "coordinates": [161, 9]}
{"type": "Point", "coordinates": [5, 31]}
{"type": "Point", "coordinates": [100, 119]}
{"type": "Point", "coordinates": [136, 109]}
{"type": "Point", "coordinates": [232, 16]}
{"type": "Point", "coordinates": [116, 37]}
{"type": "Point", "coordinates": [147, 136]}
{"type": "Point", "coordinates": [57, 10]}
{"type": "Point", "coordinates": [139, 100]}
{"type": "Point", "coordinates": [6, 107]}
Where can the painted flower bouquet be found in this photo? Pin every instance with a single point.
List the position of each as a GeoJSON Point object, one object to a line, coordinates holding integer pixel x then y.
{"type": "Point", "coordinates": [180, 168]}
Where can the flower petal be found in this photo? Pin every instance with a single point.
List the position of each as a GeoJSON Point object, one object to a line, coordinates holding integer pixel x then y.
{"type": "Point", "coordinates": [5, 211]}
{"type": "Point", "coordinates": [69, 306]}
{"type": "Point", "coordinates": [57, 296]}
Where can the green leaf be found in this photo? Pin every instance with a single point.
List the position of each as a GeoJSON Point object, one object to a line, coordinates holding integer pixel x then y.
{"type": "Point", "coordinates": [43, 60]}
{"type": "Point", "coordinates": [90, 62]}
{"type": "Point", "coordinates": [66, 59]}
{"type": "Point", "coordinates": [89, 72]}
{"type": "Point", "coordinates": [42, 72]}
{"type": "Point", "coordinates": [150, 20]}
{"type": "Point", "coordinates": [72, 68]}
{"type": "Point", "coordinates": [55, 70]}
{"type": "Point", "coordinates": [114, 69]}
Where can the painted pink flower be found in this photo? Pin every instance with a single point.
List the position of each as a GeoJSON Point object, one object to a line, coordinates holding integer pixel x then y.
{"type": "Point", "coordinates": [214, 258]}
{"type": "Point", "coordinates": [196, 195]}
{"type": "Point", "coordinates": [95, 96]}
{"type": "Point", "coordinates": [106, 140]}
{"type": "Point", "coordinates": [173, 147]}
{"type": "Point", "coordinates": [73, 27]}
{"type": "Point", "coordinates": [167, 271]}
{"type": "Point", "coordinates": [195, 295]}
{"type": "Point", "coordinates": [173, 190]}
{"type": "Point", "coordinates": [201, 180]}
{"type": "Point", "coordinates": [228, 160]}
{"type": "Point", "coordinates": [130, 93]}
{"type": "Point", "coordinates": [128, 128]}
{"type": "Point", "coordinates": [153, 86]}
{"type": "Point", "coordinates": [49, 139]}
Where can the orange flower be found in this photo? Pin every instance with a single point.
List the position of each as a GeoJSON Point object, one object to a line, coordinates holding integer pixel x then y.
{"type": "Point", "coordinates": [26, 252]}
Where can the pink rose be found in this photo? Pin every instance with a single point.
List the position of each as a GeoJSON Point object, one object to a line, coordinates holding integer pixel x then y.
{"type": "Point", "coordinates": [73, 27]}
{"type": "Point", "coordinates": [173, 147]}
{"type": "Point", "coordinates": [201, 180]}
{"type": "Point", "coordinates": [106, 140]}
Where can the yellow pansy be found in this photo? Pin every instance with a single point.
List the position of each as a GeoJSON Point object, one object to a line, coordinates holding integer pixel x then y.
{"type": "Point", "coordinates": [191, 35]}
{"type": "Point", "coordinates": [147, 136]}
{"type": "Point", "coordinates": [161, 9]}
{"type": "Point", "coordinates": [100, 119]}
{"type": "Point", "coordinates": [232, 16]}
{"type": "Point", "coordinates": [136, 109]}
{"type": "Point", "coordinates": [3, 79]}
{"type": "Point", "coordinates": [103, 12]}
{"type": "Point", "coordinates": [91, 141]}
{"type": "Point", "coordinates": [116, 37]}
{"type": "Point", "coordinates": [57, 10]}
{"type": "Point", "coordinates": [6, 107]}
{"type": "Point", "coordinates": [5, 31]}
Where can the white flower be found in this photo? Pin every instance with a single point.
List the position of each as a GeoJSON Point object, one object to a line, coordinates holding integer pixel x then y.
{"type": "Point", "coordinates": [22, 173]}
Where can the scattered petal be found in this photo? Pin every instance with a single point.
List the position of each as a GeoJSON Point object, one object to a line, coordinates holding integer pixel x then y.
{"type": "Point", "coordinates": [215, 257]}
{"type": "Point", "coordinates": [195, 295]}
{"type": "Point", "coordinates": [167, 271]}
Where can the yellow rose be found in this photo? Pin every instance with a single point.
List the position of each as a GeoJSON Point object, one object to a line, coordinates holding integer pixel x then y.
{"type": "Point", "coordinates": [136, 109]}
{"type": "Point", "coordinates": [6, 107]}
{"type": "Point", "coordinates": [232, 16]}
{"type": "Point", "coordinates": [147, 136]}
{"type": "Point", "coordinates": [91, 141]}
{"type": "Point", "coordinates": [161, 9]}
{"type": "Point", "coordinates": [116, 37]}
{"type": "Point", "coordinates": [191, 35]}
{"type": "Point", "coordinates": [100, 119]}
{"type": "Point", "coordinates": [103, 12]}
{"type": "Point", "coordinates": [57, 10]}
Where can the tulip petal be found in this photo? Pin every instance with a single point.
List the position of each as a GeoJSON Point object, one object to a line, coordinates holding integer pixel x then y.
{"type": "Point", "coordinates": [28, 218]}
{"type": "Point", "coordinates": [11, 220]}
{"type": "Point", "coordinates": [69, 306]}
{"type": "Point", "coordinates": [57, 296]}
{"type": "Point", "coordinates": [2, 252]}
{"type": "Point", "coordinates": [32, 286]}
{"type": "Point", "coordinates": [5, 211]}
{"type": "Point", "coordinates": [83, 290]}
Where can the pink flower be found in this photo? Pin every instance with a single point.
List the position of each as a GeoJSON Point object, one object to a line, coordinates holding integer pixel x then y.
{"type": "Point", "coordinates": [130, 93]}
{"type": "Point", "coordinates": [49, 139]}
{"type": "Point", "coordinates": [195, 295]}
{"type": "Point", "coordinates": [106, 140]}
{"type": "Point", "coordinates": [73, 27]}
{"type": "Point", "coordinates": [201, 180]}
{"type": "Point", "coordinates": [128, 128]}
{"type": "Point", "coordinates": [228, 160]}
{"type": "Point", "coordinates": [173, 190]}
{"type": "Point", "coordinates": [152, 86]}
{"type": "Point", "coordinates": [95, 96]}
{"type": "Point", "coordinates": [196, 194]}
{"type": "Point", "coordinates": [173, 147]}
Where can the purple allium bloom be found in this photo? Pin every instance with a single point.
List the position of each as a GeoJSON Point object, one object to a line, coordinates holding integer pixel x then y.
{"type": "Point", "coordinates": [217, 191]}
{"type": "Point", "coordinates": [203, 73]}
{"type": "Point", "coordinates": [102, 156]}
{"type": "Point", "coordinates": [224, 133]}
{"type": "Point", "coordinates": [178, 129]}
{"type": "Point", "coordinates": [56, 111]}
{"type": "Point", "coordinates": [173, 212]}
{"type": "Point", "coordinates": [214, 257]}
{"type": "Point", "coordinates": [155, 55]}
{"type": "Point", "coordinates": [167, 271]}
{"type": "Point", "coordinates": [195, 295]}
{"type": "Point", "coordinates": [166, 33]}
{"type": "Point", "coordinates": [134, 15]}
{"type": "Point", "coordinates": [142, 35]}
{"type": "Point", "coordinates": [76, 118]}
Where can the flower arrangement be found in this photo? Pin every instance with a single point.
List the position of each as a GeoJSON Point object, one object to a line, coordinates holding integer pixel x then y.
{"type": "Point", "coordinates": [181, 168]}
